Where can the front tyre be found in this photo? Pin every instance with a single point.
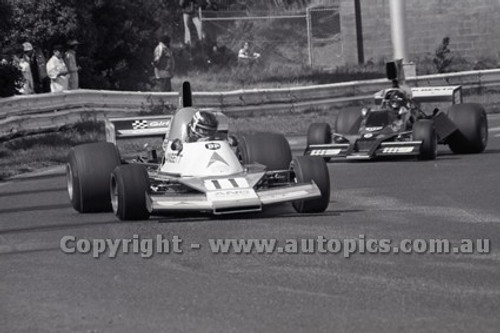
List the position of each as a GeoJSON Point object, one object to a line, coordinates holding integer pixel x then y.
{"type": "Point", "coordinates": [425, 131]}
{"type": "Point", "coordinates": [87, 176]}
{"type": "Point", "coordinates": [312, 168]}
{"type": "Point", "coordinates": [129, 192]}
{"type": "Point", "coordinates": [318, 134]}
{"type": "Point", "coordinates": [472, 124]}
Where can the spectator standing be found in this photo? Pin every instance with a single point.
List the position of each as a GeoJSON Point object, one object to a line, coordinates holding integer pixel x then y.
{"type": "Point", "coordinates": [24, 65]}
{"type": "Point", "coordinates": [41, 82]}
{"type": "Point", "coordinates": [246, 55]}
{"type": "Point", "coordinates": [71, 65]}
{"type": "Point", "coordinates": [57, 71]}
{"type": "Point", "coordinates": [164, 64]}
{"type": "Point", "coordinates": [190, 13]}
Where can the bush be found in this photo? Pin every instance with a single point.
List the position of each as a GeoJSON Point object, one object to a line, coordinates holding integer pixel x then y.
{"type": "Point", "coordinates": [11, 80]}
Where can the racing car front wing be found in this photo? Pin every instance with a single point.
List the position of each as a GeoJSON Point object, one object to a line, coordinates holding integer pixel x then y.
{"type": "Point", "coordinates": [230, 201]}
{"type": "Point", "coordinates": [365, 150]}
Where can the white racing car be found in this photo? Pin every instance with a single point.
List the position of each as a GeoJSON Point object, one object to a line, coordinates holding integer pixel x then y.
{"type": "Point", "coordinates": [218, 173]}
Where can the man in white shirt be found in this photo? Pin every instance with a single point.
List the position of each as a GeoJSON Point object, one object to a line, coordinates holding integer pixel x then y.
{"type": "Point", "coordinates": [24, 66]}
{"type": "Point", "coordinates": [57, 71]}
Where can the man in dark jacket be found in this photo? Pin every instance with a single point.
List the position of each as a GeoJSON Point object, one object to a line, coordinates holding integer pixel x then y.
{"type": "Point", "coordinates": [37, 64]}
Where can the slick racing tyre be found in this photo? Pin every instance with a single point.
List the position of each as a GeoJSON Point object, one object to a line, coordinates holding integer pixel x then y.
{"type": "Point", "coordinates": [311, 168]}
{"type": "Point", "coordinates": [269, 149]}
{"type": "Point", "coordinates": [424, 130]}
{"type": "Point", "coordinates": [319, 133]}
{"type": "Point", "coordinates": [348, 122]}
{"type": "Point", "coordinates": [472, 124]}
{"type": "Point", "coordinates": [87, 176]}
{"type": "Point", "coordinates": [129, 188]}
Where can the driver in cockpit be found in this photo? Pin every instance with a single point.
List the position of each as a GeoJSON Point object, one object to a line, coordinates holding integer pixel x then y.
{"type": "Point", "coordinates": [400, 106]}
{"type": "Point", "coordinates": [203, 126]}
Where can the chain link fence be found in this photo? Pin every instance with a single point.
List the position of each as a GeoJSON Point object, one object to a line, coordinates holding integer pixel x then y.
{"type": "Point", "coordinates": [302, 38]}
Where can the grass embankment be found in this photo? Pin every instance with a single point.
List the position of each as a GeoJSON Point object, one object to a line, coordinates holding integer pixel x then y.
{"type": "Point", "coordinates": [272, 76]}
{"type": "Point", "coordinates": [34, 152]}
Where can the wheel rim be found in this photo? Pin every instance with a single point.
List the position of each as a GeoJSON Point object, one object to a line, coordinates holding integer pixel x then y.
{"type": "Point", "coordinates": [149, 203]}
{"type": "Point", "coordinates": [69, 181]}
{"type": "Point", "coordinates": [114, 195]}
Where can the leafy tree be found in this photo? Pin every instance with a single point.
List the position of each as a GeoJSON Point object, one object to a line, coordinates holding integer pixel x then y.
{"type": "Point", "coordinates": [42, 22]}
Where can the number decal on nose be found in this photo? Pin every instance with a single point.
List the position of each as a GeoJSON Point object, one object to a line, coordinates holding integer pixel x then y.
{"type": "Point", "coordinates": [225, 183]}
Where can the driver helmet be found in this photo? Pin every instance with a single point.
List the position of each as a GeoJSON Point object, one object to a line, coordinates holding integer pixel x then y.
{"type": "Point", "coordinates": [397, 99]}
{"type": "Point", "coordinates": [203, 125]}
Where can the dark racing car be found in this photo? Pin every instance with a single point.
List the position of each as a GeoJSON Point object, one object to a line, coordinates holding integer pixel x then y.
{"type": "Point", "coordinates": [398, 126]}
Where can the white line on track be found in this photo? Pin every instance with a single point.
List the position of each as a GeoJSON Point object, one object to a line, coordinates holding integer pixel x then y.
{"type": "Point", "coordinates": [494, 129]}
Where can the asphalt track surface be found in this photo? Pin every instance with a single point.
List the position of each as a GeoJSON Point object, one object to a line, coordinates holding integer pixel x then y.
{"type": "Point", "coordinates": [455, 197]}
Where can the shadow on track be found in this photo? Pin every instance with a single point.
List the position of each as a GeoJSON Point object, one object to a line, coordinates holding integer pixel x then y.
{"type": "Point", "coordinates": [57, 227]}
{"type": "Point", "coordinates": [28, 177]}
{"type": "Point", "coordinates": [29, 251]}
{"type": "Point", "coordinates": [34, 208]}
{"type": "Point", "coordinates": [27, 192]}
{"type": "Point", "coordinates": [268, 214]}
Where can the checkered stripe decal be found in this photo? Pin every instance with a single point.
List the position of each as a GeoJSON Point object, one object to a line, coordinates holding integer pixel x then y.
{"type": "Point", "coordinates": [140, 124]}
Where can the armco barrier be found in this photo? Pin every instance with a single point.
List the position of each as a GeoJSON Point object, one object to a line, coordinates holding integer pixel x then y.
{"type": "Point", "coordinates": [43, 112]}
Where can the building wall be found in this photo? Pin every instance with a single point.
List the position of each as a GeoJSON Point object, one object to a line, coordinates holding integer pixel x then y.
{"type": "Point", "coordinates": [472, 25]}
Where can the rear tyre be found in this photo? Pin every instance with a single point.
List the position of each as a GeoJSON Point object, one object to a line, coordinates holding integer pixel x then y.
{"type": "Point", "coordinates": [307, 169]}
{"type": "Point", "coordinates": [319, 133]}
{"type": "Point", "coordinates": [348, 122]}
{"type": "Point", "coordinates": [129, 192]}
{"type": "Point", "coordinates": [269, 149]}
{"type": "Point", "coordinates": [87, 176]}
{"type": "Point", "coordinates": [472, 125]}
{"type": "Point", "coordinates": [424, 130]}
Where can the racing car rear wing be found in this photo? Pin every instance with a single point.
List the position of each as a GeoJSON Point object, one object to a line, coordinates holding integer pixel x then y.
{"type": "Point", "coordinates": [136, 127]}
{"type": "Point", "coordinates": [150, 126]}
{"type": "Point", "coordinates": [451, 94]}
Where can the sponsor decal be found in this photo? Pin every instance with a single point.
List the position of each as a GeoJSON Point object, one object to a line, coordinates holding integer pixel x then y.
{"type": "Point", "coordinates": [172, 158]}
{"type": "Point", "coordinates": [235, 194]}
{"type": "Point", "coordinates": [144, 124]}
{"type": "Point", "coordinates": [397, 150]}
{"type": "Point", "coordinates": [373, 129]}
{"type": "Point", "coordinates": [216, 158]}
{"type": "Point", "coordinates": [231, 193]}
{"type": "Point", "coordinates": [212, 146]}
{"type": "Point", "coordinates": [323, 152]}
{"type": "Point", "coordinates": [159, 123]}
{"type": "Point", "coordinates": [368, 135]}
